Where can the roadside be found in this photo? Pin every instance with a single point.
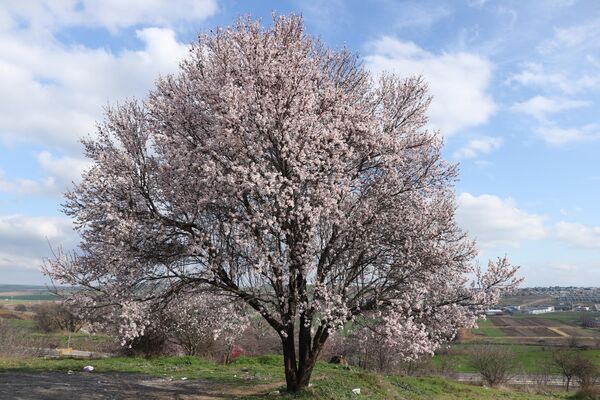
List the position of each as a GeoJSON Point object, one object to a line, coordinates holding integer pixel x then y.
{"type": "Point", "coordinates": [115, 386]}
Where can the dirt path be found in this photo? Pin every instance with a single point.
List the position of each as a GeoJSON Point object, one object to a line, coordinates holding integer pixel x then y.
{"type": "Point", "coordinates": [115, 386]}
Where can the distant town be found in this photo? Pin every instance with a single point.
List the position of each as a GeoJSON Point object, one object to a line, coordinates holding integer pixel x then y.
{"type": "Point", "coordinates": [540, 300]}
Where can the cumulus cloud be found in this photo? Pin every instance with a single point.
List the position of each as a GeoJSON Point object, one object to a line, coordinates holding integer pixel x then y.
{"type": "Point", "coordinates": [495, 222]}
{"type": "Point", "coordinates": [535, 75]}
{"type": "Point", "coordinates": [109, 14]}
{"type": "Point", "coordinates": [479, 146]}
{"type": "Point", "coordinates": [555, 135]}
{"type": "Point", "coordinates": [66, 169]}
{"type": "Point", "coordinates": [25, 240]}
{"type": "Point", "coordinates": [539, 106]}
{"type": "Point", "coordinates": [53, 94]}
{"type": "Point", "coordinates": [61, 173]}
{"type": "Point", "coordinates": [578, 235]}
{"type": "Point", "coordinates": [25, 187]}
{"type": "Point", "coordinates": [458, 81]}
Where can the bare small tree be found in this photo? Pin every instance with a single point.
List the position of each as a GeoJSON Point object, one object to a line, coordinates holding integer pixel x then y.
{"type": "Point", "coordinates": [495, 364]}
{"type": "Point", "coordinates": [51, 317]}
{"type": "Point", "coordinates": [586, 373]}
{"type": "Point", "coordinates": [568, 364]}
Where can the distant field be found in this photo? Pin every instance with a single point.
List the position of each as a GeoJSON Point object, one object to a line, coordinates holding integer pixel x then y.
{"type": "Point", "coordinates": [28, 293]}
{"type": "Point", "coordinates": [551, 329]}
{"type": "Point", "coordinates": [13, 296]}
{"type": "Point", "coordinates": [566, 317]}
{"type": "Point", "coordinates": [487, 329]}
{"type": "Point", "coordinates": [527, 300]}
{"type": "Point", "coordinates": [529, 358]}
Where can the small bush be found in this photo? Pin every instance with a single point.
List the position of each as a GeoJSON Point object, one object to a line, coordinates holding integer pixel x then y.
{"type": "Point", "coordinates": [53, 317]}
{"type": "Point", "coordinates": [588, 393]}
{"type": "Point", "coordinates": [586, 373]}
{"type": "Point", "coordinates": [573, 365]}
{"type": "Point", "coordinates": [15, 343]}
{"type": "Point", "coordinates": [495, 364]}
{"type": "Point", "coordinates": [21, 307]}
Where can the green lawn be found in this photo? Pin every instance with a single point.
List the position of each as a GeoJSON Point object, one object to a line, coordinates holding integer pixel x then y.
{"type": "Point", "coordinates": [329, 381]}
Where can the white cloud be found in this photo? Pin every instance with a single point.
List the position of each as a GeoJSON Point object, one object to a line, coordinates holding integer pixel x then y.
{"type": "Point", "coordinates": [478, 146]}
{"type": "Point", "coordinates": [62, 172]}
{"type": "Point", "coordinates": [556, 136]}
{"type": "Point", "coordinates": [576, 37]}
{"type": "Point", "coordinates": [534, 74]}
{"type": "Point", "coordinates": [25, 187]}
{"type": "Point", "coordinates": [53, 94]}
{"type": "Point", "coordinates": [26, 240]}
{"type": "Point", "coordinates": [578, 235]}
{"type": "Point", "coordinates": [539, 106]}
{"type": "Point", "coordinates": [43, 15]}
{"type": "Point", "coordinates": [495, 222]}
{"type": "Point", "coordinates": [458, 81]}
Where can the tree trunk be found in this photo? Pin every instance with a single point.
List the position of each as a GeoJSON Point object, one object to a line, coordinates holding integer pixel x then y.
{"type": "Point", "coordinates": [289, 361]}
{"type": "Point", "coordinates": [297, 375]}
{"type": "Point", "coordinates": [298, 370]}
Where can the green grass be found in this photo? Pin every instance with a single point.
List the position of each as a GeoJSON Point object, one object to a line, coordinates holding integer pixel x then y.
{"type": "Point", "coordinates": [529, 359]}
{"type": "Point", "coordinates": [79, 341]}
{"type": "Point", "coordinates": [25, 324]}
{"type": "Point", "coordinates": [487, 329]}
{"type": "Point", "coordinates": [329, 381]}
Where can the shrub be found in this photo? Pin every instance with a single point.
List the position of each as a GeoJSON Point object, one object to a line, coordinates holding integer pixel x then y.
{"type": "Point", "coordinates": [495, 364]}
{"type": "Point", "coordinates": [15, 343]}
{"type": "Point", "coordinates": [588, 393]}
{"type": "Point", "coordinates": [52, 317]}
{"type": "Point", "coordinates": [21, 307]}
{"type": "Point", "coordinates": [573, 365]}
{"type": "Point", "coordinates": [586, 373]}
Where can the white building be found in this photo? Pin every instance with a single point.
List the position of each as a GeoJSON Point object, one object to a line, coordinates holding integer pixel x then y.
{"type": "Point", "coordinates": [539, 310]}
{"type": "Point", "coordinates": [493, 312]}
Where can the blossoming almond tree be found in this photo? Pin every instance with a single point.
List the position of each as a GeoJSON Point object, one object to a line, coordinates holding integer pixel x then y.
{"type": "Point", "coordinates": [276, 170]}
{"type": "Point", "coordinates": [196, 318]}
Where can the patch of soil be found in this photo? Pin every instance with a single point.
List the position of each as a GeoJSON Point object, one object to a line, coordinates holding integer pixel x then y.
{"type": "Point", "coordinates": [116, 386]}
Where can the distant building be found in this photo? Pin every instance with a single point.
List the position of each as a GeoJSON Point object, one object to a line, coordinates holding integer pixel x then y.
{"type": "Point", "coordinates": [538, 310]}
{"type": "Point", "coordinates": [581, 308]}
{"type": "Point", "coordinates": [493, 312]}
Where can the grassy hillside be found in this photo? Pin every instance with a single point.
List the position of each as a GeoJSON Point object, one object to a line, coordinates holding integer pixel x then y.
{"type": "Point", "coordinates": [246, 373]}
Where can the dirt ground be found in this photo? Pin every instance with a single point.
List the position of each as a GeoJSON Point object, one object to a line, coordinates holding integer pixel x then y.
{"type": "Point", "coordinates": [114, 386]}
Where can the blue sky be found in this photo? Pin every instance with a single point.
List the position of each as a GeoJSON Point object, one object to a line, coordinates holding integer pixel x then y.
{"type": "Point", "coordinates": [516, 89]}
